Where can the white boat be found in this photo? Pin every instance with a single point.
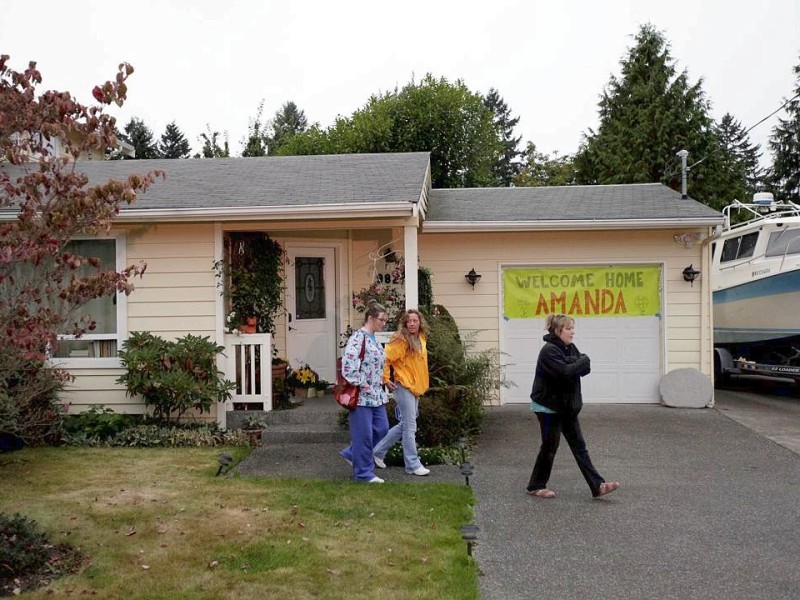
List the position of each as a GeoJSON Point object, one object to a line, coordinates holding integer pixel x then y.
{"type": "Point", "coordinates": [755, 278]}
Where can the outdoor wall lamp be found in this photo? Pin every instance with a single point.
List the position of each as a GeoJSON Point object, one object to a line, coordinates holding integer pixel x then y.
{"type": "Point", "coordinates": [690, 274]}
{"type": "Point", "coordinates": [472, 278]}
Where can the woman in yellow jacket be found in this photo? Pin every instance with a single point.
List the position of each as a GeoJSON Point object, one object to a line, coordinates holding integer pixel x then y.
{"type": "Point", "coordinates": [406, 374]}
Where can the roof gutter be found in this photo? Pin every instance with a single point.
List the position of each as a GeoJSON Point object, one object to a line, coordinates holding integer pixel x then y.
{"type": "Point", "coordinates": [278, 213]}
{"type": "Point", "coordinates": [566, 225]}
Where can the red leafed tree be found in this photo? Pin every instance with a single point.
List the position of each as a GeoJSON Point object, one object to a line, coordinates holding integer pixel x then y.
{"type": "Point", "coordinates": [46, 201]}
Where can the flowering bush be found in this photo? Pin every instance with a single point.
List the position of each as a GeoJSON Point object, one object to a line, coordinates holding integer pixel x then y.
{"type": "Point", "coordinates": [390, 296]}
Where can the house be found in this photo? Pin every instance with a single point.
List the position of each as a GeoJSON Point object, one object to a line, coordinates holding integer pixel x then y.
{"type": "Point", "coordinates": [612, 255]}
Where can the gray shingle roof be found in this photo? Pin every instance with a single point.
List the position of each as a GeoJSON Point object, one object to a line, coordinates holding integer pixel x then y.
{"type": "Point", "coordinates": [595, 202]}
{"type": "Point", "coordinates": [273, 181]}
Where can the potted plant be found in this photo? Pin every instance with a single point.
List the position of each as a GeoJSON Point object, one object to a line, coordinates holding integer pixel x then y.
{"type": "Point", "coordinates": [253, 426]}
{"type": "Point", "coordinates": [250, 277]}
{"type": "Point", "coordinates": [303, 381]}
{"type": "Point", "coordinates": [322, 387]}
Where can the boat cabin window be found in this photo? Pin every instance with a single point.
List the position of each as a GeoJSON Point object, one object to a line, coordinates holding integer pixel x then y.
{"type": "Point", "coordinates": [783, 242]}
{"type": "Point", "coordinates": [742, 246]}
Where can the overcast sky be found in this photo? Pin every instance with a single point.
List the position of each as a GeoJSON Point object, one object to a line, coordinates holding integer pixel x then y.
{"type": "Point", "coordinates": [212, 62]}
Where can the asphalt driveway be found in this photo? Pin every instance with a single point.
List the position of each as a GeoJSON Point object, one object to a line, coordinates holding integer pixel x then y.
{"type": "Point", "coordinates": [707, 508]}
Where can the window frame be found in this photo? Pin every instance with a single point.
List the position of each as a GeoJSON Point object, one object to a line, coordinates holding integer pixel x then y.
{"type": "Point", "coordinates": [112, 362]}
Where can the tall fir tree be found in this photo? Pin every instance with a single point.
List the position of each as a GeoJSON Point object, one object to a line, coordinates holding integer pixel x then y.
{"type": "Point", "coordinates": [739, 160]}
{"type": "Point", "coordinates": [287, 122]}
{"type": "Point", "coordinates": [785, 146]}
{"type": "Point", "coordinates": [508, 163]}
{"type": "Point", "coordinates": [647, 115]}
{"type": "Point", "coordinates": [140, 136]}
{"type": "Point", "coordinates": [173, 143]}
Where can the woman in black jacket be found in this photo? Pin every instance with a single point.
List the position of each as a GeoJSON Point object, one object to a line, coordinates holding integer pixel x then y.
{"type": "Point", "coordinates": [556, 400]}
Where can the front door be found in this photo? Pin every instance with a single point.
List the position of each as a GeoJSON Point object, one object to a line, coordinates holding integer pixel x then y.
{"type": "Point", "coordinates": [311, 306]}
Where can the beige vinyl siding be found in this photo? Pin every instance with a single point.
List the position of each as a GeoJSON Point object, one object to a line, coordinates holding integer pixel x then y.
{"type": "Point", "coordinates": [178, 290]}
{"type": "Point", "coordinates": [450, 256]}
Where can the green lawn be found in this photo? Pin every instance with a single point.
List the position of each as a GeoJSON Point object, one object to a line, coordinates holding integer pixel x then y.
{"type": "Point", "coordinates": [157, 523]}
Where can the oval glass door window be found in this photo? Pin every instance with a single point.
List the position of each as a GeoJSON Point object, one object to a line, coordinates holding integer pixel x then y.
{"type": "Point", "coordinates": [309, 287]}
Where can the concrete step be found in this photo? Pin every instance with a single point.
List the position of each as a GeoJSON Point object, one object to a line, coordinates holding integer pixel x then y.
{"type": "Point", "coordinates": [303, 433]}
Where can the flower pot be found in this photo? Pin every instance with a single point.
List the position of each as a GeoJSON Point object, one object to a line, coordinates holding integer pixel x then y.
{"type": "Point", "coordinates": [311, 393]}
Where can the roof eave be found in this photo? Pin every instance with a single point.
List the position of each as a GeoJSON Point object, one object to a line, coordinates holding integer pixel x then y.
{"type": "Point", "coordinates": [568, 225]}
{"type": "Point", "coordinates": [273, 213]}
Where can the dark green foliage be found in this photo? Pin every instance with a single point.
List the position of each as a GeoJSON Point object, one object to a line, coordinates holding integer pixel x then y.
{"type": "Point", "coordinates": [140, 137]}
{"type": "Point", "coordinates": [541, 169]}
{"type": "Point", "coordinates": [785, 146]}
{"type": "Point", "coordinates": [28, 560]}
{"type": "Point", "coordinates": [425, 288]}
{"type": "Point", "coordinates": [646, 116]}
{"type": "Point", "coordinates": [173, 143]}
{"type": "Point", "coordinates": [255, 144]}
{"type": "Point", "coordinates": [22, 547]}
{"type": "Point", "coordinates": [95, 425]}
{"type": "Point", "coordinates": [287, 122]}
{"type": "Point", "coordinates": [461, 382]}
{"type": "Point", "coordinates": [507, 164]}
{"type": "Point", "coordinates": [447, 120]}
{"type": "Point", "coordinates": [251, 277]}
{"type": "Point", "coordinates": [211, 147]}
{"type": "Point", "coordinates": [738, 161]}
{"type": "Point", "coordinates": [30, 410]}
{"type": "Point", "coordinates": [173, 377]}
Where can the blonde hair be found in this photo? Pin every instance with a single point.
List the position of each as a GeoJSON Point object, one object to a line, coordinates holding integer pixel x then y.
{"type": "Point", "coordinates": [555, 323]}
{"type": "Point", "coordinates": [403, 333]}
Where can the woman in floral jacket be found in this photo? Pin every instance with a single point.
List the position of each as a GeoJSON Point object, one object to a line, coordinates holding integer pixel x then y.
{"type": "Point", "coordinates": [368, 421]}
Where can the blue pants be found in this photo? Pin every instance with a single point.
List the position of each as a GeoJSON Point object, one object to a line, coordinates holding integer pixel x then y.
{"type": "Point", "coordinates": [407, 411]}
{"type": "Point", "coordinates": [368, 425]}
{"type": "Point", "coordinates": [552, 426]}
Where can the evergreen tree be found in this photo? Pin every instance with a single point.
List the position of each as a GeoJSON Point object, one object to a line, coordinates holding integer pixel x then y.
{"type": "Point", "coordinates": [646, 116]}
{"type": "Point", "coordinates": [173, 143]}
{"type": "Point", "coordinates": [211, 147]}
{"type": "Point", "coordinates": [739, 160]}
{"type": "Point", "coordinates": [507, 164]}
{"type": "Point", "coordinates": [785, 146]}
{"type": "Point", "coordinates": [287, 122]}
{"type": "Point", "coordinates": [256, 142]}
{"type": "Point", "coordinates": [140, 137]}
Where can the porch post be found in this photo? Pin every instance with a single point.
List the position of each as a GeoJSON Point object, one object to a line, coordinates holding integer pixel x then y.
{"type": "Point", "coordinates": [410, 253]}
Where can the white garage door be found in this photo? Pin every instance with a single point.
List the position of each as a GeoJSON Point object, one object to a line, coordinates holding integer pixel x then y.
{"type": "Point", "coordinates": [617, 311]}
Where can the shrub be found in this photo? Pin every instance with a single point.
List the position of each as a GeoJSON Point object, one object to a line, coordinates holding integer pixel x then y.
{"type": "Point", "coordinates": [173, 377]}
{"type": "Point", "coordinates": [30, 411]}
{"type": "Point", "coordinates": [95, 425]}
{"type": "Point", "coordinates": [28, 560]}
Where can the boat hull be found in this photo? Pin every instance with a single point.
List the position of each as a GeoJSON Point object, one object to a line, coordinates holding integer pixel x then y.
{"type": "Point", "coordinates": [761, 310]}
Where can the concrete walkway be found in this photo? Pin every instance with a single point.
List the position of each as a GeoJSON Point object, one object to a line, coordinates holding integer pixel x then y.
{"type": "Point", "coordinates": [709, 506]}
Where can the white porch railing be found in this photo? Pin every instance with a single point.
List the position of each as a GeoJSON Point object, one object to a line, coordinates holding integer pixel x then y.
{"type": "Point", "coordinates": [248, 364]}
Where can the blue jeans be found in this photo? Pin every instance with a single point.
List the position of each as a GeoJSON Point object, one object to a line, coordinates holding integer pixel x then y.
{"type": "Point", "coordinates": [368, 424]}
{"type": "Point", "coordinates": [406, 411]}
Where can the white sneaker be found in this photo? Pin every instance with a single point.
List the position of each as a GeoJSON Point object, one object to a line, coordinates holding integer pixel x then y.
{"type": "Point", "coordinates": [419, 471]}
{"type": "Point", "coordinates": [375, 480]}
{"type": "Point", "coordinates": [379, 463]}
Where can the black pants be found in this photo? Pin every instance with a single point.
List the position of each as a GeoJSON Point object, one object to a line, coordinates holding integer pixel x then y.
{"type": "Point", "coordinates": [552, 426]}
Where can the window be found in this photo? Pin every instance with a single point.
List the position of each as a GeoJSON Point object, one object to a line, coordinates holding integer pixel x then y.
{"type": "Point", "coordinates": [107, 312]}
{"type": "Point", "coordinates": [739, 247]}
{"type": "Point", "coordinates": [786, 241]}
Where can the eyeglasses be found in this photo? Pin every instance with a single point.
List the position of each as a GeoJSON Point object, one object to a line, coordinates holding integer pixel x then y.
{"type": "Point", "coordinates": [381, 319]}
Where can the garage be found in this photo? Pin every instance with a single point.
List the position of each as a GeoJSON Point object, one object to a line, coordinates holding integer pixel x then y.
{"type": "Point", "coordinates": [618, 317]}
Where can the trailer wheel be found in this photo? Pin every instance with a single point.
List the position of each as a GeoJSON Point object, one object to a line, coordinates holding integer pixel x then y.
{"type": "Point", "coordinates": [721, 377]}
